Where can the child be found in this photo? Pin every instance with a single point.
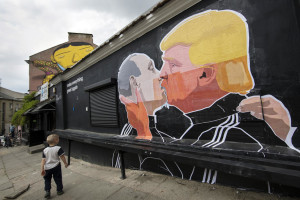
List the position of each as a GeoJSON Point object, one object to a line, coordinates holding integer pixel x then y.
{"type": "Point", "coordinates": [50, 165]}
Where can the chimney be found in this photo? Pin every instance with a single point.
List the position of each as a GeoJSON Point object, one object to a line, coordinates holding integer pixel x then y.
{"type": "Point", "coordinates": [81, 37]}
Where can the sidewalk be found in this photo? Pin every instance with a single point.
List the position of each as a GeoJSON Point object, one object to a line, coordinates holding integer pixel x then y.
{"type": "Point", "coordinates": [83, 180]}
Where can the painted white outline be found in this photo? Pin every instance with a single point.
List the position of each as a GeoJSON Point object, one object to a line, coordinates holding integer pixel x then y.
{"type": "Point", "coordinates": [204, 175]}
{"type": "Point", "coordinates": [208, 176]}
{"type": "Point", "coordinates": [179, 170]}
{"type": "Point", "coordinates": [192, 173]}
{"type": "Point", "coordinates": [214, 179]}
{"type": "Point", "coordinates": [167, 169]}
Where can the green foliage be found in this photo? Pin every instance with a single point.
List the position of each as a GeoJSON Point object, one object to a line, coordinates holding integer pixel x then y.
{"type": "Point", "coordinates": [28, 102]}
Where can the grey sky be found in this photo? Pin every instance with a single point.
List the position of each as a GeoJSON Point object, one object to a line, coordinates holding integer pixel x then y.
{"type": "Point", "coordinates": [30, 26]}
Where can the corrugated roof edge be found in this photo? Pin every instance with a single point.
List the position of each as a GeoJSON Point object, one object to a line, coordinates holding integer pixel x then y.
{"type": "Point", "coordinates": [177, 6]}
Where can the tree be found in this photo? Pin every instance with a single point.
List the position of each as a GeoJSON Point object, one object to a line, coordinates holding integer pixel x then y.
{"type": "Point", "coordinates": [28, 102]}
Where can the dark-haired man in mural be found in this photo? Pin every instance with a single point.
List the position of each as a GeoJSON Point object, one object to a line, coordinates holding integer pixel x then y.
{"type": "Point", "coordinates": [206, 75]}
{"type": "Point", "coordinates": [140, 92]}
{"type": "Point", "coordinates": [68, 54]}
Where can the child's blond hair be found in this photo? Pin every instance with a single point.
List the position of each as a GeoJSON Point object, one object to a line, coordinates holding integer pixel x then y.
{"type": "Point", "coordinates": [52, 139]}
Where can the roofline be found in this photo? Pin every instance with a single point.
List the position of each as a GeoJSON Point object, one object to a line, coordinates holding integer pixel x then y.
{"type": "Point", "coordinates": [45, 50]}
{"type": "Point", "coordinates": [80, 33]}
{"type": "Point", "coordinates": [19, 93]}
{"type": "Point", "coordinates": [155, 16]}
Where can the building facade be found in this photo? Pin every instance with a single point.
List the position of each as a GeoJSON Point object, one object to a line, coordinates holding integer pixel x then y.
{"type": "Point", "coordinates": [10, 102]}
{"type": "Point", "coordinates": [203, 90]}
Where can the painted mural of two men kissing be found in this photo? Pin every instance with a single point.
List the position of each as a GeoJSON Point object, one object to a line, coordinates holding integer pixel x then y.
{"type": "Point", "coordinates": [200, 95]}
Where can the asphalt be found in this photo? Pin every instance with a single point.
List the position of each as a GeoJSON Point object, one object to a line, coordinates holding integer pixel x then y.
{"type": "Point", "coordinates": [83, 180]}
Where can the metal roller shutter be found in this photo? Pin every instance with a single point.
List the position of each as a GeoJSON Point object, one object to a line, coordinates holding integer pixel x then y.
{"type": "Point", "coordinates": [104, 107]}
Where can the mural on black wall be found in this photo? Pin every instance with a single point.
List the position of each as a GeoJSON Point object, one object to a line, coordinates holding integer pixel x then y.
{"type": "Point", "coordinates": [201, 95]}
{"type": "Point", "coordinates": [63, 57]}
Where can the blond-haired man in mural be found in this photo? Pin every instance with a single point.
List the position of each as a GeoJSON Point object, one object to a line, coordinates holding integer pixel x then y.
{"type": "Point", "coordinates": [207, 78]}
{"type": "Point", "coordinates": [206, 75]}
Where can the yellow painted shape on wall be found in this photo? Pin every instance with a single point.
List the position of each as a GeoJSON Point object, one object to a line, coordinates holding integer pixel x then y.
{"type": "Point", "coordinates": [68, 56]}
{"type": "Point", "coordinates": [48, 78]}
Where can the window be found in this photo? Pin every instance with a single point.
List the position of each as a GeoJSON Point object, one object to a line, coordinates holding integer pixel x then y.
{"type": "Point", "coordinates": [104, 107]}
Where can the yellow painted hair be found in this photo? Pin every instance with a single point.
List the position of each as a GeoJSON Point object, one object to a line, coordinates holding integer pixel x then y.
{"type": "Point", "coordinates": [216, 37]}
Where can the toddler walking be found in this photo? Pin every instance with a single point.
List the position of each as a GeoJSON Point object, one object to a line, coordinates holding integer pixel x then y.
{"type": "Point", "coordinates": [50, 165]}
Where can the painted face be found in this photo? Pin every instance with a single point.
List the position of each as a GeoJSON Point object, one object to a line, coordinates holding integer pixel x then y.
{"type": "Point", "coordinates": [153, 96]}
{"type": "Point", "coordinates": [148, 81]}
{"type": "Point", "coordinates": [67, 57]}
{"type": "Point", "coordinates": [180, 76]}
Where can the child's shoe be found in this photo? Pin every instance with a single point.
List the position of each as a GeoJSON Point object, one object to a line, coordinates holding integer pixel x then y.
{"type": "Point", "coordinates": [60, 192]}
{"type": "Point", "coordinates": [47, 195]}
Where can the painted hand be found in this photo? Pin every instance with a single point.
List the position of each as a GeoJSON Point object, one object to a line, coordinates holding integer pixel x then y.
{"type": "Point", "coordinates": [137, 116]}
{"type": "Point", "coordinates": [271, 110]}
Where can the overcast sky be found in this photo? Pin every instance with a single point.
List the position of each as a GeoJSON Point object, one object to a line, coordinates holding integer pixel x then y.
{"type": "Point", "coordinates": [30, 26]}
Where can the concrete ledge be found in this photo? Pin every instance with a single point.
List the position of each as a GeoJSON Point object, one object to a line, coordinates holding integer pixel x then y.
{"type": "Point", "coordinates": [24, 141]}
{"type": "Point", "coordinates": [36, 149]}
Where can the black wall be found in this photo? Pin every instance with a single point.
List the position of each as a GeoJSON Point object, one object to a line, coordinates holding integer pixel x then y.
{"type": "Point", "coordinates": [274, 47]}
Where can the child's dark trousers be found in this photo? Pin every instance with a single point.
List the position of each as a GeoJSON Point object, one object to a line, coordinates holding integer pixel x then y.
{"type": "Point", "coordinates": [56, 173]}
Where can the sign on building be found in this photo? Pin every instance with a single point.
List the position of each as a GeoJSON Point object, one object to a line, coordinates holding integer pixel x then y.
{"type": "Point", "coordinates": [44, 92]}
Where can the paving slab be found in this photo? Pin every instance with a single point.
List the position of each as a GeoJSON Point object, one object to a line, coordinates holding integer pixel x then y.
{"type": "Point", "coordinates": [127, 193]}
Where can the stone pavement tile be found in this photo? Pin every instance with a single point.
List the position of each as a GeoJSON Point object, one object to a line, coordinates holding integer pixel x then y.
{"type": "Point", "coordinates": [6, 185]}
{"type": "Point", "coordinates": [208, 191]}
{"type": "Point", "coordinates": [71, 178]}
{"type": "Point", "coordinates": [12, 174]}
{"type": "Point", "coordinates": [37, 195]}
{"type": "Point", "coordinates": [144, 181]}
{"type": "Point", "coordinates": [93, 171]}
{"type": "Point", "coordinates": [152, 197]}
{"type": "Point", "coordinates": [1, 164]}
{"type": "Point", "coordinates": [11, 162]}
{"type": "Point", "coordinates": [6, 192]}
{"type": "Point", "coordinates": [96, 189]}
{"type": "Point", "coordinates": [250, 195]}
{"type": "Point", "coordinates": [127, 193]}
{"type": "Point", "coordinates": [36, 191]}
{"type": "Point", "coordinates": [29, 159]}
{"type": "Point", "coordinates": [27, 177]}
{"type": "Point", "coordinates": [174, 188]}
{"type": "Point", "coordinates": [4, 178]}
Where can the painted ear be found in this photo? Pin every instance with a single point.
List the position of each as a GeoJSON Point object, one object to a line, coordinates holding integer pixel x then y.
{"type": "Point", "coordinates": [208, 75]}
{"type": "Point", "coordinates": [52, 59]}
